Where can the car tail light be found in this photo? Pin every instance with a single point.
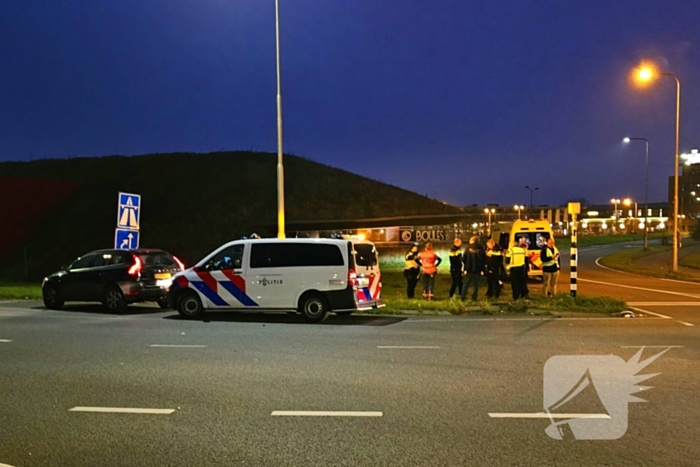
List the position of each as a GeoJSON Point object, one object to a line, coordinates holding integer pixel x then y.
{"type": "Point", "coordinates": [135, 268]}
{"type": "Point", "coordinates": [352, 278]}
{"type": "Point", "coordinates": [179, 263]}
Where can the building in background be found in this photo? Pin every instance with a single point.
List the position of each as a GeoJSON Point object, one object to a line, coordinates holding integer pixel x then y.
{"type": "Point", "coordinates": [688, 191]}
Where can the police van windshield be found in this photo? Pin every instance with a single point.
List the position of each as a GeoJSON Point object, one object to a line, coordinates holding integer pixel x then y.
{"type": "Point", "coordinates": [365, 255]}
{"type": "Point", "coordinates": [534, 240]}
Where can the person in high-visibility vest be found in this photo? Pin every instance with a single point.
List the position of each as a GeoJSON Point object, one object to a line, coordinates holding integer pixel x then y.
{"type": "Point", "coordinates": [456, 267]}
{"type": "Point", "coordinates": [411, 272]}
{"type": "Point", "coordinates": [518, 270]}
{"type": "Point", "coordinates": [429, 262]}
{"type": "Point", "coordinates": [550, 268]}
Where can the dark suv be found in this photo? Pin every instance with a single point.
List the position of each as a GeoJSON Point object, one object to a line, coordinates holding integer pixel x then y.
{"type": "Point", "coordinates": [114, 277]}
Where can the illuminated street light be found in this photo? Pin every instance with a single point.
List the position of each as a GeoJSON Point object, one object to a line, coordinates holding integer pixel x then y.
{"type": "Point", "coordinates": [519, 209]}
{"type": "Point", "coordinates": [646, 190]}
{"type": "Point", "coordinates": [647, 73]}
{"type": "Point", "coordinates": [615, 202]}
{"type": "Point", "coordinates": [489, 212]}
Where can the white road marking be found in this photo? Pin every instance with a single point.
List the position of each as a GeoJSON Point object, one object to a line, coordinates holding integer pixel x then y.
{"type": "Point", "coordinates": [122, 410]}
{"type": "Point", "coordinates": [549, 415]}
{"type": "Point", "coordinates": [5, 340]}
{"type": "Point", "coordinates": [178, 345]}
{"type": "Point", "coordinates": [490, 320]}
{"type": "Point", "coordinates": [307, 413]}
{"type": "Point", "coordinates": [663, 303]}
{"type": "Point", "coordinates": [681, 282]}
{"type": "Point", "coordinates": [662, 316]}
{"type": "Point", "coordinates": [8, 301]}
{"type": "Point", "coordinates": [640, 288]}
{"type": "Point", "coordinates": [408, 347]}
{"type": "Point", "coordinates": [597, 263]}
{"type": "Point", "coordinates": [5, 465]}
{"type": "Point", "coordinates": [651, 346]}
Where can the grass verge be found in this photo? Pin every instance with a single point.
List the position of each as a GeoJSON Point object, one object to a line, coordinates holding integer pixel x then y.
{"type": "Point", "coordinates": [628, 261]}
{"type": "Point", "coordinates": [690, 261]}
{"type": "Point", "coordinates": [12, 291]}
{"type": "Point", "coordinates": [394, 295]}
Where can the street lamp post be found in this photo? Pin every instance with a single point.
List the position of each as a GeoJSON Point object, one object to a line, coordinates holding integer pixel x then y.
{"type": "Point", "coordinates": [645, 74]}
{"type": "Point", "coordinates": [519, 209]}
{"type": "Point", "coordinates": [489, 212]}
{"type": "Point", "coordinates": [280, 166]}
{"type": "Point", "coordinates": [646, 191]}
{"type": "Point", "coordinates": [615, 202]}
{"type": "Point", "coordinates": [531, 191]}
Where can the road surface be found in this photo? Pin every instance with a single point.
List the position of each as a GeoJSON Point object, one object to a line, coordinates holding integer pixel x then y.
{"type": "Point", "coordinates": [84, 388]}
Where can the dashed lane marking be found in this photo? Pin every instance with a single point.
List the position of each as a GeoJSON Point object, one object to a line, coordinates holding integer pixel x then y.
{"type": "Point", "coordinates": [549, 415]}
{"type": "Point", "coordinates": [5, 340]}
{"type": "Point", "coordinates": [308, 413]}
{"type": "Point", "coordinates": [651, 346]}
{"type": "Point", "coordinates": [408, 347]}
{"type": "Point", "coordinates": [179, 345]}
{"type": "Point", "coordinates": [663, 303]}
{"type": "Point", "coordinates": [123, 410]}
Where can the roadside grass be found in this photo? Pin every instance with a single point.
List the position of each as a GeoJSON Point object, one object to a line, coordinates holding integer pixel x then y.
{"type": "Point", "coordinates": [15, 291]}
{"type": "Point", "coordinates": [628, 261]}
{"type": "Point", "coordinates": [592, 240]}
{"type": "Point", "coordinates": [690, 261]}
{"type": "Point", "coordinates": [394, 295]}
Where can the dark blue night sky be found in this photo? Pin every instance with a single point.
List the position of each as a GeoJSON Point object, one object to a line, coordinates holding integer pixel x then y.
{"type": "Point", "coordinates": [467, 101]}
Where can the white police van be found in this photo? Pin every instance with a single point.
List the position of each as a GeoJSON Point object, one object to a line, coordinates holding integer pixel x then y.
{"type": "Point", "coordinates": [311, 276]}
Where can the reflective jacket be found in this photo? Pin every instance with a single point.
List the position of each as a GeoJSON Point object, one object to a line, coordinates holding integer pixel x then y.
{"type": "Point", "coordinates": [456, 259]}
{"type": "Point", "coordinates": [517, 255]}
{"type": "Point", "coordinates": [429, 262]}
{"type": "Point", "coordinates": [411, 260]}
{"type": "Point", "coordinates": [550, 259]}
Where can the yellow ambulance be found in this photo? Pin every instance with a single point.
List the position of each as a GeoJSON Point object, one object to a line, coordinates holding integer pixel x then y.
{"type": "Point", "coordinates": [535, 232]}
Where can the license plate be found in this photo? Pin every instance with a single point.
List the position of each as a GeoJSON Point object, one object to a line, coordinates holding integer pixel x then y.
{"type": "Point", "coordinates": [362, 281]}
{"type": "Point", "coordinates": [164, 275]}
{"type": "Point", "coordinates": [164, 283]}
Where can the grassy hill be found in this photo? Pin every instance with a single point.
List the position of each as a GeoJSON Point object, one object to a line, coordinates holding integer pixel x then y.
{"type": "Point", "coordinates": [191, 203]}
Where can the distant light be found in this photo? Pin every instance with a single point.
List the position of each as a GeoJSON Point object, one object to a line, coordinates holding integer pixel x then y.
{"type": "Point", "coordinates": [641, 225]}
{"type": "Point", "coordinates": [604, 226]}
{"type": "Point", "coordinates": [622, 226]}
{"type": "Point", "coordinates": [644, 74]}
{"type": "Point", "coordinates": [661, 225]}
{"type": "Point", "coordinates": [592, 213]}
{"type": "Point", "coordinates": [475, 225]}
{"type": "Point", "coordinates": [626, 140]}
{"type": "Point", "coordinates": [360, 237]}
{"type": "Point", "coordinates": [627, 202]}
{"type": "Point", "coordinates": [584, 225]}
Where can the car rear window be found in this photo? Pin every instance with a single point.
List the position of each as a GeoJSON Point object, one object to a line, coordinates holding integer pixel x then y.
{"type": "Point", "coordinates": [365, 254]}
{"type": "Point", "coordinates": [158, 259]}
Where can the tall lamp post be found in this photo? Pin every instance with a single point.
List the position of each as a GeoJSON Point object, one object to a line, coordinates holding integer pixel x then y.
{"type": "Point", "coordinates": [615, 202]}
{"type": "Point", "coordinates": [489, 212]}
{"type": "Point", "coordinates": [519, 209]}
{"type": "Point", "coordinates": [280, 166]}
{"type": "Point", "coordinates": [646, 190]}
{"type": "Point", "coordinates": [645, 74]}
{"type": "Point", "coordinates": [531, 191]}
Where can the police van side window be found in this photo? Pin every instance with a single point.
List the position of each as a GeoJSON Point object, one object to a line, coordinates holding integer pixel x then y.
{"type": "Point", "coordinates": [284, 255]}
{"type": "Point", "coordinates": [271, 255]}
{"type": "Point", "coordinates": [306, 254]}
{"type": "Point", "coordinates": [228, 258]}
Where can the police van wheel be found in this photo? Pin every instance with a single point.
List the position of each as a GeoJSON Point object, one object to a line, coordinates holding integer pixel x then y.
{"type": "Point", "coordinates": [313, 307]}
{"type": "Point", "coordinates": [189, 305]}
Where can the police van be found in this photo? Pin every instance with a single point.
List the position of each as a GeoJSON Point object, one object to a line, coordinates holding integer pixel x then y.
{"type": "Point", "coordinates": [311, 276]}
{"type": "Point", "coordinates": [535, 232]}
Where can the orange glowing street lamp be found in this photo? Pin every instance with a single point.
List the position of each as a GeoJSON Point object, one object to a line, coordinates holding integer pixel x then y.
{"type": "Point", "coordinates": [645, 74]}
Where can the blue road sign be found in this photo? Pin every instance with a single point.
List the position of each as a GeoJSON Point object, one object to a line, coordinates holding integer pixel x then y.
{"type": "Point", "coordinates": [125, 239]}
{"type": "Point", "coordinates": [129, 211]}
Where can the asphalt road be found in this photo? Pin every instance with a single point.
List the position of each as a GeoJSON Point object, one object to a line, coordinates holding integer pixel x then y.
{"type": "Point", "coordinates": [424, 387]}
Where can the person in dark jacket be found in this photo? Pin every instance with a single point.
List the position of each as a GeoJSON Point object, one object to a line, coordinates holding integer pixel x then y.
{"type": "Point", "coordinates": [411, 271]}
{"type": "Point", "coordinates": [473, 260]}
{"type": "Point", "coordinates": [456, 267]}
{"type": "Point", "coordinates": [494, 269]}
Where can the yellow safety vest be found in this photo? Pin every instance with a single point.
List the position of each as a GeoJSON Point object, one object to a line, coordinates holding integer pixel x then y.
{"type": "Point", "coordinates": [411, 260]}
{"type": "Point", "coordinates": [517, 256]}
{"type": "Point", "coordinates": [553, 261]}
